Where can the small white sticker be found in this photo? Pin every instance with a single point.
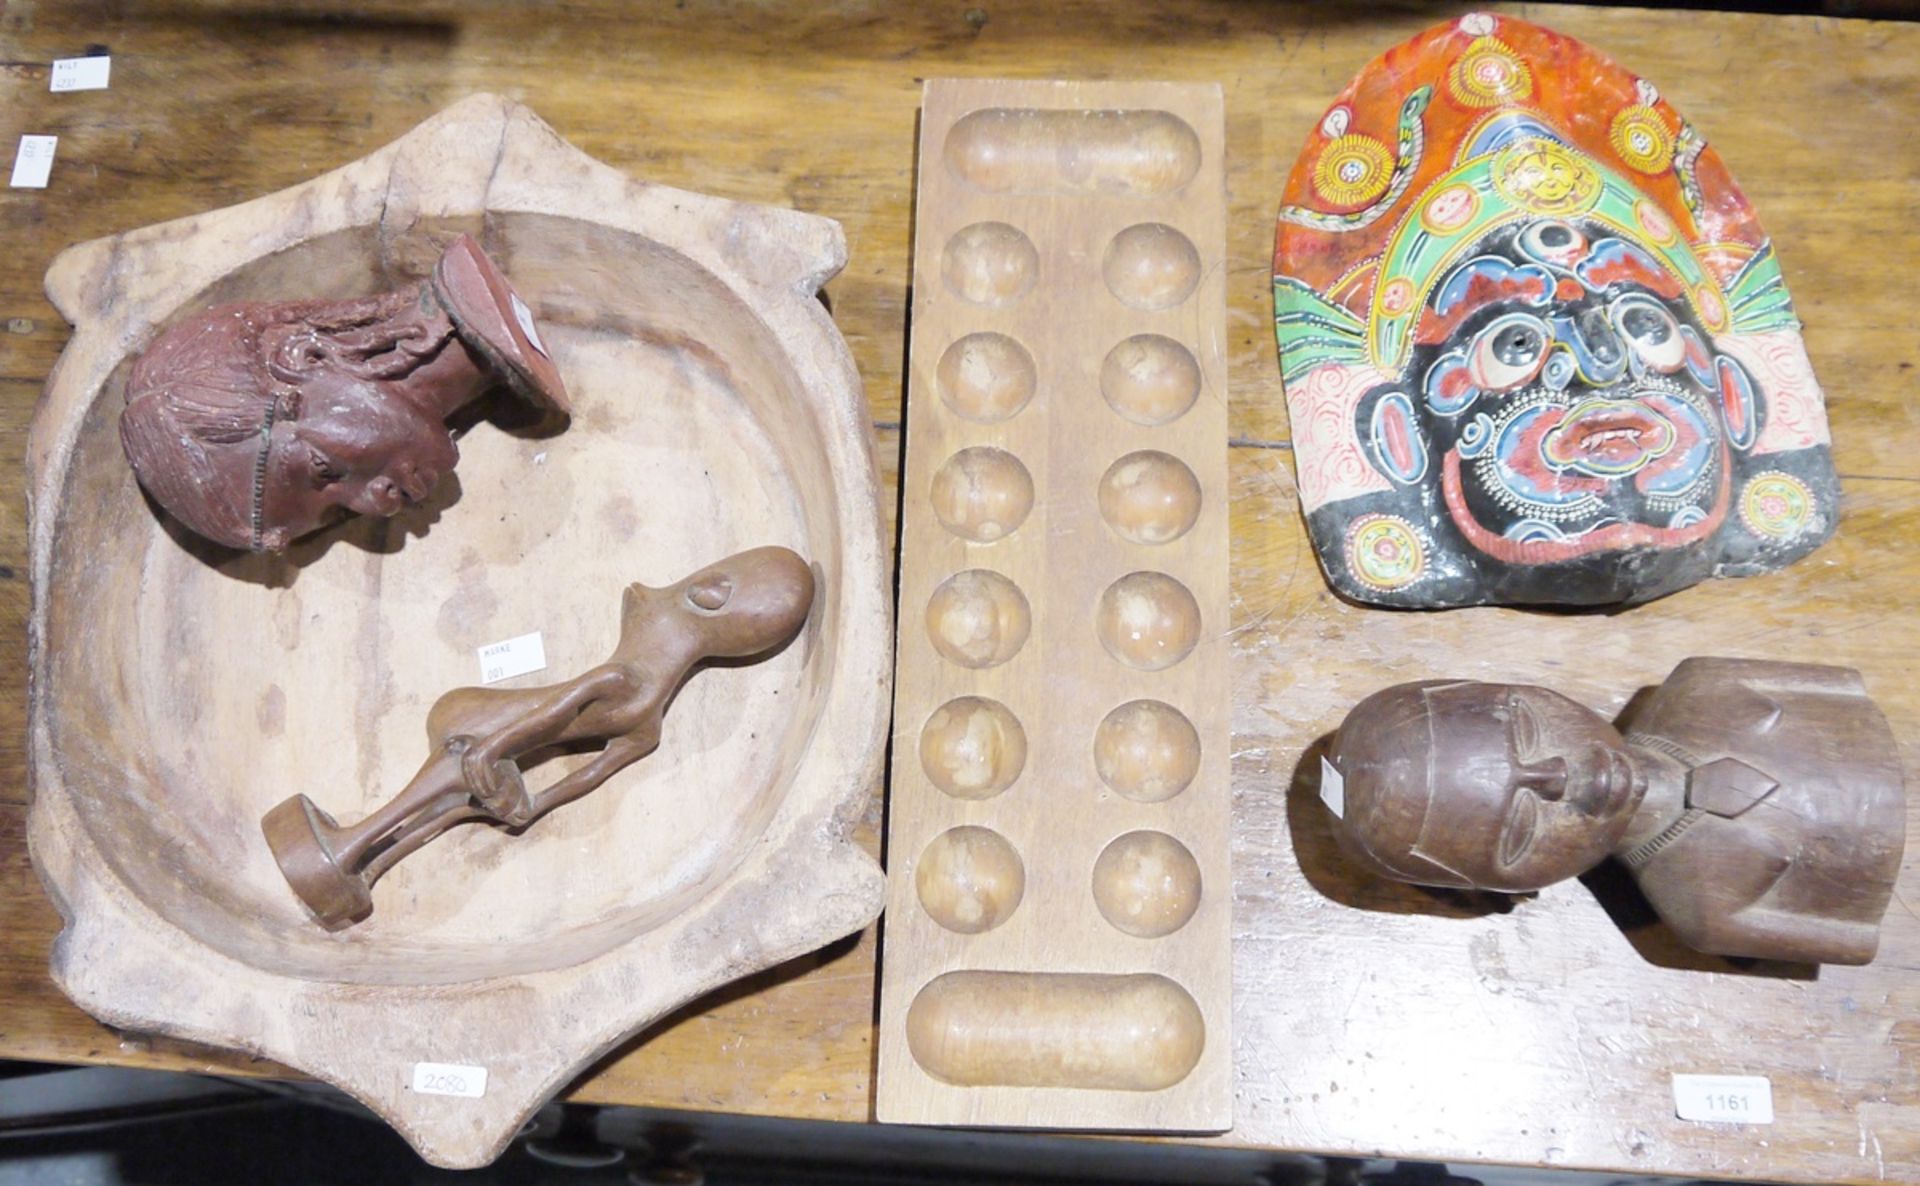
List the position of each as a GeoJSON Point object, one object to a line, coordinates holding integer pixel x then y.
{"type": "Point", "coordinates": [524, 316]}
{"type": "Point", "coordinates": [81, 74]}
{"type": "Point", "coordinates": [1727, 1099]}
{"type": "Point", "coordinates": [33, 164]}
{"type": "Point", "coordinates": [445, 1078]}
{"type": "Point", "coordinates": [514, 656]}
{"type": "Point", "coordinates": [1333, 788]}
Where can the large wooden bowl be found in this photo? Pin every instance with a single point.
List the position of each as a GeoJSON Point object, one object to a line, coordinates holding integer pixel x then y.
{"type": "Point", "coordinates": [179, 691]}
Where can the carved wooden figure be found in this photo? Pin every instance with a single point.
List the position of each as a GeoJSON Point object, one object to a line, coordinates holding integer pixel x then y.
{"type": "Point", "coordinates": [1760, 805]}
{"type": "Point", "coordinates": [743, 606]}
{"type": "Point", "coordinates": [257, 423]}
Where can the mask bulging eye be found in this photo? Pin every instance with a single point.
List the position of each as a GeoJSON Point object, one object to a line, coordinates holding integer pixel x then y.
{"type": "Point", "coordinates": [1553, 242]}
{"type": "Point", "coordinates": [1508, 352]}
{"type": "Point", "coordinates": [1651, 332]}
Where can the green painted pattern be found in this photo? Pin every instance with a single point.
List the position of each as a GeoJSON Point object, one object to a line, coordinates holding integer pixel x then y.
{"type": "Point", "coordinates": [1757, 300]}
{"type": "Point", "coordinates": [1313, 332]}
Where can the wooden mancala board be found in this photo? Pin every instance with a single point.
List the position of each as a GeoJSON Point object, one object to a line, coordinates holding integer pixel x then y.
{"type": "Point", "coordinates": [1057, 948]}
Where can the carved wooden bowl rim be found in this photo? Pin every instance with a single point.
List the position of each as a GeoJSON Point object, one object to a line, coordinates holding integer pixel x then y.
{"type": "Point", "coordinates": [137, 968]}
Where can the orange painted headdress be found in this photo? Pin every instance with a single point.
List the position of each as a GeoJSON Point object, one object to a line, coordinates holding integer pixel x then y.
{"type": "Point", "coordinates": [1459, 93]}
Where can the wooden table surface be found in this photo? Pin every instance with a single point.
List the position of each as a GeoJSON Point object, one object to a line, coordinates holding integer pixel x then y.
{"type": "Point", "coordinates": [1368, 1018]}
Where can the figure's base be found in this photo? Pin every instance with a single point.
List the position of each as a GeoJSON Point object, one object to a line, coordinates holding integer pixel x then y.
{"type": "Point", "coordinates": [297, 833]}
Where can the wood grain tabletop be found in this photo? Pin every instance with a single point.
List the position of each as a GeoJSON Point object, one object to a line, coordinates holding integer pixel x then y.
{"type": "Point", "coordinates": [1368, 1018]}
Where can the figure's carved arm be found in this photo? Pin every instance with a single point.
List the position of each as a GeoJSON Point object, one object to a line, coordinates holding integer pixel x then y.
{"type": "Point", "coordinates": [549, 720]}
{"type": "Point", "coordinates": [620, 753]}
{"type": "Point", "coordinates": [549, 716]}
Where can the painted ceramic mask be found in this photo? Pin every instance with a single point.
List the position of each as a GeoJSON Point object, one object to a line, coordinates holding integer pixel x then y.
{"type": "Point", "coordinates": [1536, 347]}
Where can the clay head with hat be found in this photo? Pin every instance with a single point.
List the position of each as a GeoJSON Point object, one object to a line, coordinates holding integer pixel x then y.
{"type": "Point", "coordinates": [255, 424]}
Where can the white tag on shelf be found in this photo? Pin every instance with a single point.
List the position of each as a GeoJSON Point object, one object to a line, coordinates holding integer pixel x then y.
{"type": "Point", "coordinates": [511, 657]}
{"type": "Point", "coordinates": [81, 74]}
{"type": "Point", "coordinates": [524, 316]}
{"type": "Point", "coordinates": [445, 1078]}
{"type": "Point", "coordinates": [1333, 788]}
{"type": "Point", "coordinates": [1727, 1099]}
{"type": "Point", "coordinates": [33, 164]}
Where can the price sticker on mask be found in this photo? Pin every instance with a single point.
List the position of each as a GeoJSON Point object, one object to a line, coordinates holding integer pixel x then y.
{"type": "Point", "coordinates": [1724, 1099]}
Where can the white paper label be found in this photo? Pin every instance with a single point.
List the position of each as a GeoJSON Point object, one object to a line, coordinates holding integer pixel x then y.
{"type": "Point", "coordinates": [524, 316]}
{"type": "Point", "coordinates": [33, 164]}
{"type": "Point", "coordinates": [514, 656]}
{"type": "Point", "coordinates": [1333, 788]}
{"type": "Point", "coordinates": [1728, 1099]}
{"type": "Point", "coordinates": [445, 1078]}
{"type": "Point", "coordinates": [81, 74]}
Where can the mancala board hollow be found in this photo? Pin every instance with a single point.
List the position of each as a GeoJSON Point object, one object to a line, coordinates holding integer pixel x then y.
{"type": "Point", "coordinates": [1057, 941]}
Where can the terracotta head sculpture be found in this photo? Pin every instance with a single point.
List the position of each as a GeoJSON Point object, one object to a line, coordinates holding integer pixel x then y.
{"type": "Point", "coordinates": [255, 424]}
{"type": "Point", "coordinates": [1760, 806]}
{"type": "Point", "coordinates": [1536, 347]}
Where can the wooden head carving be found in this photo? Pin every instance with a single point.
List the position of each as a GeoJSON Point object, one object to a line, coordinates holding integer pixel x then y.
{"type": "Point", "coordinates": [746, 605]}
{"type": "Point", "coordinates": [255, 424]}
{"type": "Point", "coordinates": [741, 606]}
{"type": "Point", "coordinates": [1490, 786]}
{"type": "Point", "coordinates": [1760, 806]}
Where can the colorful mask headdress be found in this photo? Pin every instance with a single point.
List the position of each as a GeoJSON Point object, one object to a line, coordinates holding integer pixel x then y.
{"type": "Point", "coordinates": [1536, 348]}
